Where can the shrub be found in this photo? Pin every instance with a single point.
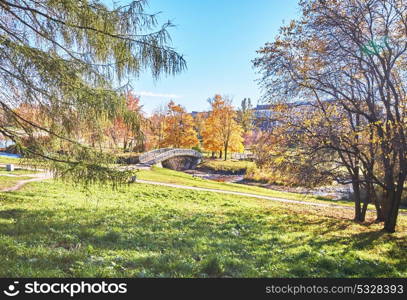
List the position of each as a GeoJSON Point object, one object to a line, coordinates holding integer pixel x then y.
{"type": "Point", "coordinates": [287, 176]}
{"type": "Point", "coordinates": [197, 148]}
{"type": "Point", "coordinates": [129, 158]}
{"type": "Point", "coordinates": [228, 166]}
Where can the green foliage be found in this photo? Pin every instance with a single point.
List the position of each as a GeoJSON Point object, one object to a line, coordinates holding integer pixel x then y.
{"type": "Point", "coordinates": [197, 148]}
{"type": "Point", "coordinates": [6, 181]}
{"type": "Point", "coordinates": [68, 61]}
{"type": "Point", "coordinates": [93, 170]}
{"type": "Point", "coordinates": [50, 229]}
{"type": "Point", "coordinates": [130, 158]}
{"type": "Point", "coordinates": [17, 172]}
{"type": "Point", "coordinates": [9, 160]}
{"type": "Point", "coordinates": [245, 115]}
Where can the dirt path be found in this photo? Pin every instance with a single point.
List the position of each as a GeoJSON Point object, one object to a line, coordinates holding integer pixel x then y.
{"type": "Point", "coordinates": [21, 183]}
{"type": "Point", "coordinates": [44, 176]}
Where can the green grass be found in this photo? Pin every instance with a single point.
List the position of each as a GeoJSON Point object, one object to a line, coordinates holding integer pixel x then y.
{"type": "Point", "coordinates": [9, 160]}
{"type": "Point", "coordinates": [49, 229]}
{"type": "Point", "coordinates": [228, 166]}
{"type": "Point", "coordinates": [6, 181]}
{"type": "Point", "coordinates": [3, 171]}
{"type": "Point", "coordinates": [170, 176]}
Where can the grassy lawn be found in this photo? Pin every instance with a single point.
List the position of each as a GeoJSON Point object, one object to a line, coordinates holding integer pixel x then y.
{"type": "Point", "coordinates": [170, 176]}
{"type": "Point", "coordinates": [3, 171]}
{"type": "Point", "coordinates": [229, 166]}
{"type": "Point", "coordinates": [55, 230]}
{"type": "Point", "coordinates": [9, 160]}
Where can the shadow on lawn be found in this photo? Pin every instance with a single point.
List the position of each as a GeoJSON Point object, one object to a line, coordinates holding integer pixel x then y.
{"type": "Point", "coordinates": [11, 213]}
{"type": "Point", "coordinates": [171, 243]}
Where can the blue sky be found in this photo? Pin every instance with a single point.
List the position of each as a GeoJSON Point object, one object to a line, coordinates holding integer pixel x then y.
{"type": "Point", "coordinates": [218, 39]}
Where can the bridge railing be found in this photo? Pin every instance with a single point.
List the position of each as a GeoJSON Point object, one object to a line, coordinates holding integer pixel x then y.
{"type": "Point", "coordinates": [176, 152]}
{"type": "Point", "coordinates": [148, 156]}
{"type": "Point", "coordinates": [157, 157]}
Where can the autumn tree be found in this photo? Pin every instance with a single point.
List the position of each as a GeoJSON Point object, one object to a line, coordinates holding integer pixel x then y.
{"type": "Point", "coordinates": [74, 58]}
{"type": "Point", "coordinates": [30, 112]}
{"type": "Point", "coordinates": [155, 133]}
{"type": "Point", "coordinates": [245, 118]}
{"type": "Point", "coordinates": [125, 129]}
{"type": "Point", "coordinates": [179, 129]}
{"type": "Point", "coordinates": [199, 122]}
{"type": "Point", "coordinates": [351, 53]}
{"type": "Point", "coordinates": [221, 131]}
{"type": "Point", "coordinates": [310, 146]}
{"type": "Point", "coordinates": [245, 115]}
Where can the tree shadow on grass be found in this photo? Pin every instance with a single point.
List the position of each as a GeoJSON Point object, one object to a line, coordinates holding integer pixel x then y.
{"type": "Point", "coordinates": [366, 239]}
{"type": "Point", "coordinates": [187, 244]}
{"type": "Point", "coordinates": [12, 213]}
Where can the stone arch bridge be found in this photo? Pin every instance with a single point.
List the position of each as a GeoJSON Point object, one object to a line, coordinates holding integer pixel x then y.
{"type": "Point", "coordinates": [172, 158]}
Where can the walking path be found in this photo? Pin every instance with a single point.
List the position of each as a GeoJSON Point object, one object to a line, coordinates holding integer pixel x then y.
{"type": "Point", "coordinates": [21, 183]}
{"type": "Point", "coordinates": [317, 204]}
{"type": "Point", "coordinates": [244, 194]}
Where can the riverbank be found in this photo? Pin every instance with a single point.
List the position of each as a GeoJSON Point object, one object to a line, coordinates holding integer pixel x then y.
{"type": "Point", "coordinates": [234, 171]}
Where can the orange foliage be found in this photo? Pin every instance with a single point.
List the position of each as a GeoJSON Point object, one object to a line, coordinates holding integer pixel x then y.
{"type": "Point", "coordinates": [31, 113]}
{"type": "Point", "coordinates": [221, 131]}
{"type": "Point", "coordinates": [154, 131]}
{"type": "Point", "coordinates": [179, 128]}
{"type": "Point", "coordinates": [121, 132]}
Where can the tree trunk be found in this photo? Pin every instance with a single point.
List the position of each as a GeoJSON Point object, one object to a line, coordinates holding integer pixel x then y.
{"type": "Point", "coordinates": [357, 198]}
{"type": "Point", "coordinates": [376, 201]}
{"type": "Point", "coordinates": [226, 151]}
{"type": "Point", "coordinates": [220, 154]}
{"type": "Point", "coordinates": [364, 209]}
{"type": "Point", "coordinates": [394, 199]}
{"type": "Point", "coordinates": [124, 145]}
{"type": "Point", "coordinates": [365, 203]}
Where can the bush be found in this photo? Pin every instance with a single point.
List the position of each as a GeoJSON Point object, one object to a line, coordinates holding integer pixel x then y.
{"type": "Point", "coordinates": [287, 176]}
{"type": "Point", "coordinates": [259, 175]}
{"type": "Point", "coordinates": [129, 158]}
{"type": "Point", "coordinates": [197, 148]}
{"type": "Point", "coordinates": [227, 167]}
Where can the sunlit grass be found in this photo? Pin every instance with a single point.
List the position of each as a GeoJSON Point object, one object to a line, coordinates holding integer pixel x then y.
{"type": "Point", "coordinates": [8, 181]}
{"type": "Point", "coordinates": [175, 177]}
{"type": "Point", "coordinates": [17, 172]}
{"type": "Point", "coordinates": [55, 230]}
{"type": "Point", "coordinates": [9, 160]}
